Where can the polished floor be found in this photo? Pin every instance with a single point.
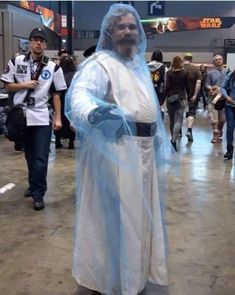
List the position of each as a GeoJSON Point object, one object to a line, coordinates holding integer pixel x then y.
{"type": "Point", "coordinates": [36, 247]}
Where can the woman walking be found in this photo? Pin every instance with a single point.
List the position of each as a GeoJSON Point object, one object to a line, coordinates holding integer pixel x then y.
{"type": "Point", "coordinates": [176, 89]}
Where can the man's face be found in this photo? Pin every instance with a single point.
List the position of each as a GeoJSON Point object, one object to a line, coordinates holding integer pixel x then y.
{"type": "Point", "coordinates": [125, 35]}
{"type": "Point", "coordinates": [37, 45]}
{"type": "Point", "coordinates": [218, 61]}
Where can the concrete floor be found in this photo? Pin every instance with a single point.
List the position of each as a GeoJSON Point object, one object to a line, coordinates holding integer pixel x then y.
{"type": "Point", "coordinates": [36, 247]}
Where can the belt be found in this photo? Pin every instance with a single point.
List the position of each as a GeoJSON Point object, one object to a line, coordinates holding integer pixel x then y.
{"type": "Point", "coordinates": [141, 129]}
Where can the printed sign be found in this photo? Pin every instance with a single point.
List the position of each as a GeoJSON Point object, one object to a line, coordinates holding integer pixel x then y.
{"type": "Point", "coordinates": [172, 24]}
{"type": "Point", "coordinates": [156, 8]}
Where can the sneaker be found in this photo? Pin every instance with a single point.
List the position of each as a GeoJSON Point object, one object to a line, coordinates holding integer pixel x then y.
{"type": "Point", "coordinates": [38, 205]}
{"type": "Point", "coordinates": [216, 137]}
{"type": "Point", "coordinates": [228, 155]}
{"type": "Point", "coordinates": [190, 136]}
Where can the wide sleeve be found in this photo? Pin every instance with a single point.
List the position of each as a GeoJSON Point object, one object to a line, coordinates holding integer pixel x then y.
{"type": "Point", "coordinates": [89, 87]}
{"type": "Point", "coordinates": [87, 91]}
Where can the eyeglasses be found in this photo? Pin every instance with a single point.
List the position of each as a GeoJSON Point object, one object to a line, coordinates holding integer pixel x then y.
{"type": "Point", "coordinates": [122, 27]}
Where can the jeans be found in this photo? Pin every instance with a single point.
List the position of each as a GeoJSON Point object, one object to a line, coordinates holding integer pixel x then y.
{"type": "Point", "coordinates": [230, 116]}
{"type": "Point", "coordinates": [176, 116]}
{"type": "Point", "coordinates": [36, 147]}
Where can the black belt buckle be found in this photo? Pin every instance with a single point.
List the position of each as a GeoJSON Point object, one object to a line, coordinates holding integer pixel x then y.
{"type": "Point", "coordinates": [146, 129]}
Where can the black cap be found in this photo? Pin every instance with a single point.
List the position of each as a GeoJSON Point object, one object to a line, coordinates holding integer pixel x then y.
{"type": "Point", "coordinates": [38, 32]}
{"type": "Point", "coordinates": [89, 51]}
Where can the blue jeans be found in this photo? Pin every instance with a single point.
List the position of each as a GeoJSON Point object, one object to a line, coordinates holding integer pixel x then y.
{"type": "Point", "coordinates": [36, 147]}
{"type": "Point", "coordinates": [230, 117]}
{"type": "Point", "coordinates": [176, 116]}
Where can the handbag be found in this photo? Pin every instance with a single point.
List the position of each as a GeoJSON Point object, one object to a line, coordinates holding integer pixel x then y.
{"type": "Point", "coordinates": [173, 99]}
{"type": "Point", "coordinates": [220, 104]}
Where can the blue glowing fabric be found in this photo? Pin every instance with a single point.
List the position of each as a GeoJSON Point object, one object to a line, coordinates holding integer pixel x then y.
{"type": "Point", "coordinates": [119, 234]}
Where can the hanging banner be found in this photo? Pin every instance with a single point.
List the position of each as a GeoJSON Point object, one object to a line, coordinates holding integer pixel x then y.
{"type": "Point", "coordinates": [161, 25]}
{"type": "Point", "coordinates": [49, 18]}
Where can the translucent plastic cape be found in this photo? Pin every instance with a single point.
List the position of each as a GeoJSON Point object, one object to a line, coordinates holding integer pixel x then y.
{"type": "Point", "coordinates": [120, 241]}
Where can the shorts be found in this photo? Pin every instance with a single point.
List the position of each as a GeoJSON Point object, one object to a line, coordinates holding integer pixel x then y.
{"type": "Point", "coordinates": [192, 108]}
{"type": "Point", "coordinates": [214, 115]}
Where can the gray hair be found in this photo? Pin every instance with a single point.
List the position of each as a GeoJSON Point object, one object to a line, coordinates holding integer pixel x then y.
{"type": "Point", "coordinates": [217, 55]}
{"type": "Point", "coordinates": [111, 19]}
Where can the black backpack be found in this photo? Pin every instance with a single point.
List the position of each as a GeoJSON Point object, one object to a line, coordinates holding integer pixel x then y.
{"type": "Point", "coordinates": [158, 79]}
{"type": "Point", "coordinates": [16, 123]}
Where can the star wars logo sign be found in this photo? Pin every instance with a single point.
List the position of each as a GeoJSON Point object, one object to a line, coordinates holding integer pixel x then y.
{"type": "Point", "coordinates": [211, 23]}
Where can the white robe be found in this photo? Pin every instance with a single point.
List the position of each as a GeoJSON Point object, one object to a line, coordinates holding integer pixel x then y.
{"type": "Point", "coordinates": [119, 240]}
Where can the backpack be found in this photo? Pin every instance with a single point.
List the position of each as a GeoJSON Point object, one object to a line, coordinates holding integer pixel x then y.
{"type": "Point", "coordinates": [158, 79]}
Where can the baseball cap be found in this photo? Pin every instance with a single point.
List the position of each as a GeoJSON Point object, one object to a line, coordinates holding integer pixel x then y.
{"type": "Point", "coordinates": [38, 32]}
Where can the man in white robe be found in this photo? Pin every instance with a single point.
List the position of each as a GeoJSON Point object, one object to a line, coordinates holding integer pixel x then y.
{"type": "Point", "coordinates": [119, 239]}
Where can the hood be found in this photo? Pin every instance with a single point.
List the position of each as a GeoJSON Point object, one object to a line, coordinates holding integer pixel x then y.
{"type": "Point", "coordinates": [115, 11]}
{"type": "Point", "coordinates": [154, 65]}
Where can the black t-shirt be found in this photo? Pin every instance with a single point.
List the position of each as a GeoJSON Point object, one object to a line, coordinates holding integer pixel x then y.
{"type": "Point", "coordinates": [176, 82]}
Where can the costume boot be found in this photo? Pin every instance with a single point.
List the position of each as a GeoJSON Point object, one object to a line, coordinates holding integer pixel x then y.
{"type": "Point", "coordinates": [216, 137]}
{"type": "Point", "coordinates": [229, 154]}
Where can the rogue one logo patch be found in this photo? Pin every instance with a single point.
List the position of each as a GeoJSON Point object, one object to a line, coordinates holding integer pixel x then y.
{"type": "Point", "coordinates": [46, 75]}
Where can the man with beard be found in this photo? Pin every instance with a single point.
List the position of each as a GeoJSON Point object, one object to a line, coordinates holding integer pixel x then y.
{"type": "Point", "coordinates": [34, 78]}
{"type": "Point", "coordinates": [119, 243]}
